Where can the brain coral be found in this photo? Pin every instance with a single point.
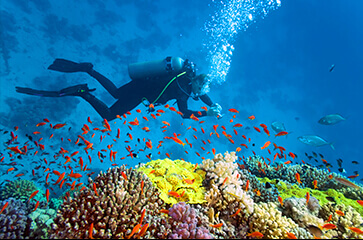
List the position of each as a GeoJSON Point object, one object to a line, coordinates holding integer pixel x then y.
{"type": "Point", "coordinates": [113, 205]}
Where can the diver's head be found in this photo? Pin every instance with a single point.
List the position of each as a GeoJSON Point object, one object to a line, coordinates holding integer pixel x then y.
{"type": "Point", "coordinates": [200, 84]}
{"type": "Point", "coordinates": [190, 68]}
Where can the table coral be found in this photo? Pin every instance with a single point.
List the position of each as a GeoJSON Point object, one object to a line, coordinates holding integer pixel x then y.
{"type": "Point", "coordinates": [114, 206]}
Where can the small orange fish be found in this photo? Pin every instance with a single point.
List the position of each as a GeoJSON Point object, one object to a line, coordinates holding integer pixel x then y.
{"type": "Point", "coordinates": [282, 133]}
{"type": "Point", "coordinates": [9, 170]}
{"type": "Point", "coordinates": [142, 215]}
{"type": "Point", "coordinates": [257, 129]}
{"type": "Point", "coordinates": [247, 185]}
{"type": "Point", "coordinates": [94, 188]}
{"type": "Point", "coordinates": [47, 195]}
{"type": "Point", "coordinates": [307, 198]}
{"type": "Point", "coordinates": [315, 183]}
{"type": "Point", "coordinates": [297, 177]}
{"type": "Point", "coordinates": [59, 125]}
{"type": "Point", "coordinates": [255, 234]}
{"type": "Point", "coordinates": [329, 219]}
{"type": "Point", "coordinates": [90, 231]}
{"type": "Point", "coordinates": [238, 125]}
{"type": "Point", "coordinates": [360, 202]}
{"type": "Point", "coordinates": [340, 213]}
{"type": "Point", "coordinates": [225, 180]}
{"type": "Point", "coordinates": [142, 230]}
{"type": "Point", "coordinates": [36, 206]}
{"type": "Point", "coordinates": [216, 225]}
{"type": "Point", "coordinates": [252, 117]}
{"type": "Point", "coordinates": [236, 213]}
{"type": "Point", "coordinates": [331, 176]}
{"type": "Point", "coordinates": [5, 205]}
{"type": "Point", "coordinates": [188, 181]}
{"type": "Point", "coordinates": [266, 145]}
{"type": "Point", "coordinates": [149, 144]}
{"type": "Point", "coordinates": [174, 194]}
{"type": "Point", "coordinates": [328, 226]}
{"type": "Point", "coordinates": [280, 201]}
{"type": "Point", "coordinates": [354, 229]}
{"type": "Point", "coordinates": [233, 110]}
{"type": "Point", "coordinates": [33, 194]}
{"type": "Point", "coordinates": [291, 235]}
{"type": "Point", "coordinates": [287, 162]}
{"type": "Point", "coordinates": [124, 175]}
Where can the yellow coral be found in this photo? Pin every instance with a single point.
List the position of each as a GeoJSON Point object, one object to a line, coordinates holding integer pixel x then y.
{"type": "Point", "coordinates": [173, 176]}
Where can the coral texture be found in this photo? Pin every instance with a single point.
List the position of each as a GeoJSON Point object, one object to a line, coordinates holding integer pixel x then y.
{"type": "Point", "coordinates": [14, 222]}
{"type": "Point", "coordinates": [114, 206]}
{"type": "Point", "coordinates": [184, 221]}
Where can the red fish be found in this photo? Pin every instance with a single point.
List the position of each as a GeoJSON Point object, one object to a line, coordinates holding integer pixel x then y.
{"type": "Point", "coordinates": [59, 125]}
{"type": "Point", "coordinates": [33, 194]}
{"type": "Point", "coordinates": [282, 133]}
{"type": "Point", "coordinates": [233, 110]}
{"type": "Point", "coordinates": [5, 206]}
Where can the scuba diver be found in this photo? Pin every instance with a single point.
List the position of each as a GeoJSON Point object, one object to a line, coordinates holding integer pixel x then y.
{"type": "Point", "coordinates": [153, 83]}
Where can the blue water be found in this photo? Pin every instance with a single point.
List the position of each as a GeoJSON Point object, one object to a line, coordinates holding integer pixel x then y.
{"type": "Point", "coordinates": [279, 71]}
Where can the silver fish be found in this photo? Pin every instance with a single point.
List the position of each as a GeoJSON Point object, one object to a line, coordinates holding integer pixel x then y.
{"type": "Point", "coordinates": [315, 141]}
{"type": "Point", "coordinates": [278, 127]}
{"type": "Point", "coordinates": [331, 119]}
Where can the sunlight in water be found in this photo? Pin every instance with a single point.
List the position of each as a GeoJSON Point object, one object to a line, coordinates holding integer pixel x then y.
{"type": "Point", "coordinates": [230, 17]}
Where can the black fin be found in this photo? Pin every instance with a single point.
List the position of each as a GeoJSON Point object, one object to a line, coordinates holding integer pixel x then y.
{"type": "Point", "coordinates": [63, 65]}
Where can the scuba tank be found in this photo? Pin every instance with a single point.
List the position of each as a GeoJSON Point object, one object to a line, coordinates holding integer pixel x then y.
{"type": "Point", "coordinates": [158, 68]}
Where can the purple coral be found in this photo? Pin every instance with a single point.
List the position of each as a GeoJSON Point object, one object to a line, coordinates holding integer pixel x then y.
{"type": "Point", "coordinates": [14, 223]}
{"type": "Point", "coordinates": [185, 222]}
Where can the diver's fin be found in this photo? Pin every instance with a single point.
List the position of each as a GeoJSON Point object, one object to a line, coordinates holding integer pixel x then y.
{"type": "Point", "coordinates": [76, 90]}
{"type": "Point", "coordinates": [63, 65]}
{"type": "Point", "coordinates": [35, 92]}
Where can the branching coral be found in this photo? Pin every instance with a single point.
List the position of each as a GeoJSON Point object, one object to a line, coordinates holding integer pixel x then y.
{"type": "Point", "coordinates": [114, 206]}
{"type": "Point", "coordinates": [20, 189]}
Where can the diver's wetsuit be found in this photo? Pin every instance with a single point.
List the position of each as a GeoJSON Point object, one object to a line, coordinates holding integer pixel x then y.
{"type": "Point", "coordinates": [130, 95]}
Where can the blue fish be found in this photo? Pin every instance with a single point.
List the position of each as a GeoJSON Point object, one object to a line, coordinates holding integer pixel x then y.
{"type": "Point", "coordinates": [315, 141]}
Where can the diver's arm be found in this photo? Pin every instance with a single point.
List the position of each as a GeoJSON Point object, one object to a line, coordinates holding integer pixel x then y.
{"type": "Point", "coordinates": [206, 99]}
{"type": "Point", "coordinates": [183, 107]}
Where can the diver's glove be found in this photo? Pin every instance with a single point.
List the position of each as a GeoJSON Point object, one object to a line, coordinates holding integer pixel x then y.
{"type": "Point", "coordinates": [214, 110]}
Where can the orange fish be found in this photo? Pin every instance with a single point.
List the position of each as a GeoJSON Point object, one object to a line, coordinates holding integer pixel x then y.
{"type": "Point", "coordinates": [236, 213]}
{"type": "Point", "coordinates": [329, 219]}
{"type": "Point", "coordinates": [90, 231]}
{"type": "Point", "coordinates": [41, 124]}
{"type": "Point", "coordinates": [315, 183]}
{"type": "Point", "coordinates": [164, 211]}
{"type": "Point", "coordinates": [216, 225]}
{"type": "Point", "coordinates": [280, 201]}
{"type": "Point", "coordinates": [354, 229]}
{"type": "Point", "coordinates": [233, 110]}
{"type": "Point", "coordinates": [15, 149]}
{"type": "Point", "coordinates": [94, 188]}
{"type": "Point", "coordinates": [75, 175]}
{"type": "Point", "coordinates": [174, 194]}
{"type": "Point", "coordinates": [247, 185]}
{"type": "Point", "coordinates": [282, 133]}
{"type": "Point", "coordinates": [59, 125]}
{"type": "Point", "coordinates": [328, 226]}
{"type": "Point", "coordinates": [5, 205]}
{"type": "Point", "coordinates": [36, 206]}
{"type": "Point", "coordinates": [214, 151]}
{"type": "Point", "coordinates": [33, 194]}
{"type": "Point", "coordinates": [360, 202]}
{"type": "Point", "coordinates": [307, 198]}
{"type": "Point", "coordinates": [291, 235]}
{"type": "Point", "coordinates": [257, 129]}
{"type": "Point", "coordinates": [47, 195]}
{"type": "Point", "coordinates": [297, 177]}
{"type": "Point", "coordinates": [244, 145]}
{"type": "Point", "coordinates": [225, 180]}
{"type": "Point", "coordinates": [124, 175]}
{"type": "Point", "coordinates": [10, 169]}
{"type": "Point", "coordinates": [142, 230]}
{"type": "Point", "coordinates": [188, 181]}
{"type": "Point", "coordinates": [251, 117]}
{"type": "Point", "coordinates": [149, 145]}
{"type": "Point", "coordinates": [177, 140]}
{"type": "Point", "coordinates": [288, 162]}
{"type": "Point", "coordinates": [255, 234]}
{"type": "Point", "coordinates": [340, 213]}
{"type": "Point", "coordinates": [266, 145]}
{"type": "Point", "coordinates": [142, 215]}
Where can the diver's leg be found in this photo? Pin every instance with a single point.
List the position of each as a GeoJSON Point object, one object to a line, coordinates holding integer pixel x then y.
{"type": "Point", "coordinates": [105, 82]}
{"type": "Point", "coordinates": [99, 106]}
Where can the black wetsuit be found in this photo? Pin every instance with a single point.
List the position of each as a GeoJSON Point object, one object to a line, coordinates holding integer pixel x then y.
{"type": "Point", "coordinates": [130, 95]}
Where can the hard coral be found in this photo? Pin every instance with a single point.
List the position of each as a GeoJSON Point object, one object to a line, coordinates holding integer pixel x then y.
{"type": "Point", "coordinates": [185, 223]}
{"type": "Point", "coordinates": [177, 176]}
{"type": "Point", "coordinates": [114, 206]}
{"type": "Point", "coordinates": [19, 189]}
{"type": "Point", "coordinates": [13, 220]}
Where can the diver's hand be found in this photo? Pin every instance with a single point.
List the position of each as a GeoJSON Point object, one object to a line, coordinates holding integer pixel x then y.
{"type": "Point", "coordinates": [214, 110]}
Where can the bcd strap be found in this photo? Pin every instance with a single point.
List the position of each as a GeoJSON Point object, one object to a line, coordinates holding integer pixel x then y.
{"type": "Point", "coordinates": [167, 85]}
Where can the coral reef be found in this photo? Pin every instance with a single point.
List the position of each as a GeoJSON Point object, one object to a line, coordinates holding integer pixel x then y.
{"type": "Point", "coordinates": [184, 221]}
{"type": "Point", "coordinates": [268, 220]}
{"type": "Point", "coordinates": [351, 218]}
{"type": "Point", "coordinates": [113, 204]}
{"type": "Point", "coordinates": [177, 176]}
{"type": "Point", "coordinates": [41, 223]}
{"type": "Point", "coordinates": [14, 222]}
{"type": "Point", "coordinates": [20, 189]}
